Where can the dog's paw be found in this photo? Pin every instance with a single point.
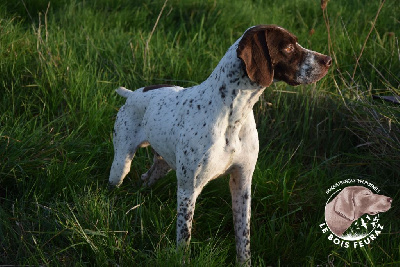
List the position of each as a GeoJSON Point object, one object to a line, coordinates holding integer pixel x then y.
{"type": "Point", "coordinates": [146, 179]}
{"type": "Point", "coordinates": [145, 176]}
{"type": "Point", "coordinates": [112, 186]}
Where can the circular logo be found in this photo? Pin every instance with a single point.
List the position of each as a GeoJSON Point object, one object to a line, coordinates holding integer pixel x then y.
{"type": "Point", "coordinates": [352, 213]}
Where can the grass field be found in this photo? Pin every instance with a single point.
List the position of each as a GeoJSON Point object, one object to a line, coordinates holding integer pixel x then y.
{"type": "Point", "coordinates": [60, 62]}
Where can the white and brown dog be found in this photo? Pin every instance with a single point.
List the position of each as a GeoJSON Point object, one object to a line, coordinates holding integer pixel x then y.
{"type": "Point", "coordinates": [208, 130]}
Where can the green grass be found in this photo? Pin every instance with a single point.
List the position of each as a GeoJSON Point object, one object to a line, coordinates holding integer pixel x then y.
{"type": "Point", "coordinates": [59, 66]}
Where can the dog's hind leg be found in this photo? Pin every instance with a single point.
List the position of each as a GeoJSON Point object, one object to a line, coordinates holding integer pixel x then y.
{"type": "Point", "coordinates": [158, 170]}
{"type": "Point", "coordinates": [127, 139]}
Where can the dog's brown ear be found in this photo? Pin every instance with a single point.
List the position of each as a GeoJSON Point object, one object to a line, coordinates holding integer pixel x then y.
{"type": "Point", "coordinates": [253, 50]}
{"type": "Point", "coordinates": [344, 204]}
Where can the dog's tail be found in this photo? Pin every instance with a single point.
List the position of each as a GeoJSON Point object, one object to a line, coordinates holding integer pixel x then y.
{"type": "Point", "coordinates": [122, 91]}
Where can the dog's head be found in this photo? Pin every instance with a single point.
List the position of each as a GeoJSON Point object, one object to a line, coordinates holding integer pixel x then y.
{"type": "Point", "coordinates": [270, 52]}
{"type": "Point", "coordinates": [354, 201]}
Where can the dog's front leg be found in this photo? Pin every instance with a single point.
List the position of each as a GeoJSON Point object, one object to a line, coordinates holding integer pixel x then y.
{"type": "Point", "coordinates": [186, 203]}
{"type": "Point", "coordinates": [240, 187]}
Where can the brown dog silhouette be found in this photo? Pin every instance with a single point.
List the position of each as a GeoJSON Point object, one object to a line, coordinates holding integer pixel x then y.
{"type": "Point", "coordinates": [350, 204]}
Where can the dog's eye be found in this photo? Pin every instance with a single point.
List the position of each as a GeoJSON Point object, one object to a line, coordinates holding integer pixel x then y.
{"type": "Point", "coordinates": [289, 48]}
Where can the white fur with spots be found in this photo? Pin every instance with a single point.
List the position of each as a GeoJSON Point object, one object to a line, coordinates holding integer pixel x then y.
{"type": "Point", "coordinates": [202, 132]}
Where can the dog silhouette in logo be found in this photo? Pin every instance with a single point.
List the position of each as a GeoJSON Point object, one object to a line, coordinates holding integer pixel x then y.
{"type": "Point", "coordinates": [350, 204]}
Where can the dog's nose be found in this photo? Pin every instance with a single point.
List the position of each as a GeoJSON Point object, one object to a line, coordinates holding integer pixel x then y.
{"type": "Point", "coordinates": [327, 61]}
{"type": "Point", "coordinates": [389, 199]}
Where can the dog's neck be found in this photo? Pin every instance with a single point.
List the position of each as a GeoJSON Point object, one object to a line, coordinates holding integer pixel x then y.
{"type": "Point", "coordinates": [232, 88]}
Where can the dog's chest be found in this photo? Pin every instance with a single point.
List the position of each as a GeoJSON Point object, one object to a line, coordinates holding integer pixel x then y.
{"type": "Point", "coordinates": [179, 123]}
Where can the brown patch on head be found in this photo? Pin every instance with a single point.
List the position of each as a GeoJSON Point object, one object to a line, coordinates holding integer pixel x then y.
{"type": "Point", "coordinates": [156, 86]}
{"type": "Point", "coordinates": [269, 52]}
{"type": "Point", "coordinates": [253, 50]}
{"type": "Point", "coordinates": [287, 55]}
